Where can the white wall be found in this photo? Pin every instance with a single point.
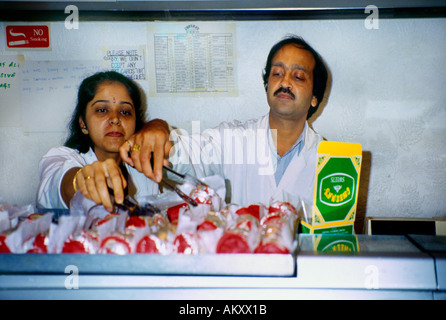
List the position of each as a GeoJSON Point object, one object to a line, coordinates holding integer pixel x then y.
{"type": "Point", "coordinates": [387, 93]}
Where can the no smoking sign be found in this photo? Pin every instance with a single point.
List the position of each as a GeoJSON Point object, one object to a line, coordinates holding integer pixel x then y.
{"type": "Point", "coordinates": [27, 36]}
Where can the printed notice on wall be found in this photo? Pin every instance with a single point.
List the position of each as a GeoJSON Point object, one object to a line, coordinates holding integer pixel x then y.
{"type": "Point", "coordinates": [10, 111]}
{"type": "Point", "coordinates": [127, 61]}
{"type": "Point", "coordinates": [191, 58]}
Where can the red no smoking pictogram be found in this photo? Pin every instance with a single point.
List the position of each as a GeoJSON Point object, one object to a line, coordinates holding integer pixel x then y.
{"type": "Point", "coordinates": [27, 36]}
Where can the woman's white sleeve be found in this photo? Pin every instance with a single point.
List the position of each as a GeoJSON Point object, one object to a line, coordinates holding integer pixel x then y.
{"type": "Point", "coordinates": [52, 167]}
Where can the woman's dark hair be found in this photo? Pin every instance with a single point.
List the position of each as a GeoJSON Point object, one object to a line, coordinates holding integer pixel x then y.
{"type": "Point", "coordinates": [320, 74]}
{"type": "Point", "coordinates": [87, 90]}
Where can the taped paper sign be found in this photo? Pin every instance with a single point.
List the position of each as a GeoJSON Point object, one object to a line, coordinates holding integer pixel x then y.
{"type": "Point", "coordinates": [130, 62]}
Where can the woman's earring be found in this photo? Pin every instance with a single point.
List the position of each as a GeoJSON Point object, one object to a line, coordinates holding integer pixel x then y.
{"type": "Point", "coordinates": [314, 102]}
{"type": "Point", "coordinates": [84, 130]}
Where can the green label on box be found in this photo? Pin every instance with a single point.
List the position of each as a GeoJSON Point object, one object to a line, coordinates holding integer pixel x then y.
{"type": "Point", "coordinates": [336, 185]}
{"type": "Point", "coordinates": [336, 194]}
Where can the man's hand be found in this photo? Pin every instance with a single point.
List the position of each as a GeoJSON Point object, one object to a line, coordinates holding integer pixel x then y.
{"type": "Point", "coordinates": [151, 141]}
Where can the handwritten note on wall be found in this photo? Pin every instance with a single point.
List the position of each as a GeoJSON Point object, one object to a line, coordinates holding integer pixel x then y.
{"type": "Point", "coordinates": [10, 110]}
{"type": "Point", "coordinates": [48, 92]}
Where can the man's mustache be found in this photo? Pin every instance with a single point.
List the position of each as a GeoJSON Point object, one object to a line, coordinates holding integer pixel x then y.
{"type": "Point", "coordinates": [284, 90]}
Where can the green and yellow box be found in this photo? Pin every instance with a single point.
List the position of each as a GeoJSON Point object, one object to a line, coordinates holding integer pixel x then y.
{"type": "Point", "coordinates": [338, 169]}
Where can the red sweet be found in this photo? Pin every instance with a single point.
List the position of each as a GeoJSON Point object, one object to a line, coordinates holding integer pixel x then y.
{"type": "Point", "coordinates": [74, 246]}
{"type": "Point", "coordinates": [284, 207]}
{"type": "Point", "coordinates": [83, 242]}
{"type": "Point", "coordinates": [207, 225]}
{"type": "Point", "coordinates": [245, 224]}
{"type": "Point", "coordinates": [39, 245]}
{"type": "Point", "coordinates": [174, 212]}
{"type": "Point", "coordinates": [3, 247]}
{"type": "Point", "coordinates": [271, 248]}
{"type": "Point", "coordinates": [135, 222]}
{"type": "Point", "coordinates": [273, 210]}
{"type": "Point", "coordinates": [183, 244]}
{"type": "Point", "coordinates": [115, 244]}
{"type": "Point", "coordinates": [253, 210]}
{"type": "Point", "coordinates": [202, 194]}
{"type": "Point", "coordinates": [232, 243]}
{"type": "Point", "coordinates": [275, 234]}
{"type": "Point", "coordinates": [269, 218]}
{"type": "Point", "coordinates": [107, 218]}
{"type": "Point", "coordinates": [147, 245]}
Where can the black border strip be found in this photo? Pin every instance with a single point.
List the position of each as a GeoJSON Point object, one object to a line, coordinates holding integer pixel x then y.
{"type": "Point", "coordinates": [7, 15]}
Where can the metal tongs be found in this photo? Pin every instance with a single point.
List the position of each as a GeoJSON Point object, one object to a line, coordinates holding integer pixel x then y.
{"type": "Point", "coordinates": [181, 194]}
{"type": "Point", "coordinates": [186, 178]}
{"type": "Point", "coordinates": [133, 208]}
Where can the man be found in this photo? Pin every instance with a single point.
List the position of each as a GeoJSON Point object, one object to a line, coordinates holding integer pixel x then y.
{"type": "Point", "coordinates": [269, 158]}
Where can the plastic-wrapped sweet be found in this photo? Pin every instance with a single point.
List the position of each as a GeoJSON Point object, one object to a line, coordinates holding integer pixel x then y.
{"type": "Point", "coordinates": [282, 210]}
{"type": "Point", "coordinates": [135, 222]}
{"type": "Point", "coordinates": [255, 210]}
{"type": "Point", "coordinates": [242, 238]}
{"type": "Point", "coordinates": [39, 244]}
{"type": "Point", "coordinates": [206, 195]}
{"type": "Point", "coordinates": [158, 222]}
{"type": "Point", "coordinates": [282, 207]}
{"type": "Point", "coordinates": [115, 243]}
{"type": "Point", "coordinates": [85, 242]}
{"type": "Point", "coordinates": [16, 240]}
{"type": "Point", "coordinates": [148, 244]}
{"type": "Point", "coordinates": [155, 243]}
{"type": "Point", "coordinates": [3, 246]}
{"type": "Point", "coordinates": [276, 236]}
{"type": "Point", "coordinates": [173, 212]}
{"type": "Point", "coordinates": [212, 221]}
{"type": "Point", "coordinates": [107, 218]}
{"type": "Point", "coordinates": [199, 234]}
{"type": "Point", "coordinates": [187, 243]}
{"type": "Point", "coordinates": [113, 222]}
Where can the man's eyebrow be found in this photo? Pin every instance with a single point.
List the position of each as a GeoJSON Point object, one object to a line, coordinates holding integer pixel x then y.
{"type": "Point", "coordinates": [294, 66]}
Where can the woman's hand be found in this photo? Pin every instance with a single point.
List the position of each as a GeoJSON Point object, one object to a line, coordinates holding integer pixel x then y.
{"type": "Point", "coordinates": [94, 181]}
{"type": "Point", "coordinates": [151, 141]}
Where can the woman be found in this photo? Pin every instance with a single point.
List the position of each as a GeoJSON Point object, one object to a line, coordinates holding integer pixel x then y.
{"type": "Point", "coordinates": [108, 112]}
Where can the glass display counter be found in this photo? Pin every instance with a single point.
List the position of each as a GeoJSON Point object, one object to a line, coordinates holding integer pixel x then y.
{"type": "Point", "coordinates": [323, 267]}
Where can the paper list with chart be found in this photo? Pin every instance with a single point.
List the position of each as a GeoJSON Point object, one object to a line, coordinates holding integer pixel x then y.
{"type": "Point", "coordinates": [193, 58]}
